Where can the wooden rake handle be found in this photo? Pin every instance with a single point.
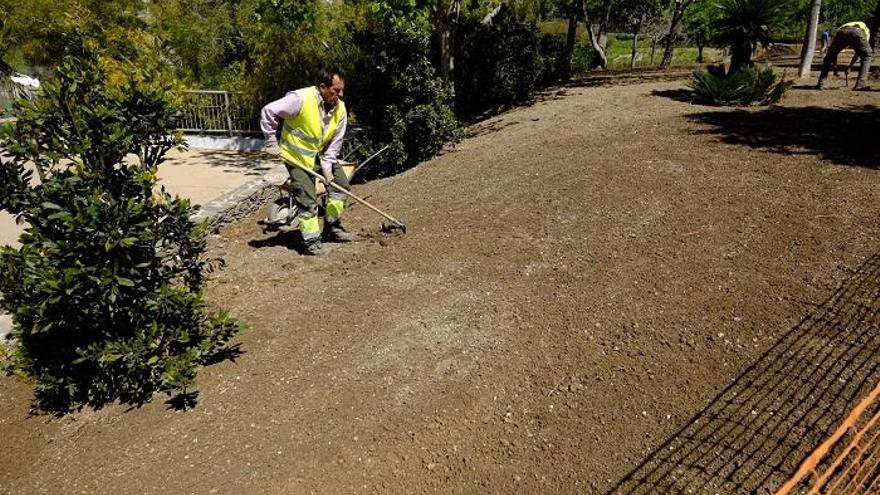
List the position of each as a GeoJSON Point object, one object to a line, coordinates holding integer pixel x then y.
{"type": "Point", "coordinates": [353, 196]}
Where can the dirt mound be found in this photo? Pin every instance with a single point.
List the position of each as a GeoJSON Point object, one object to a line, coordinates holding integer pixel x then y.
{"type": "Point", "coordinates": [608, 290]}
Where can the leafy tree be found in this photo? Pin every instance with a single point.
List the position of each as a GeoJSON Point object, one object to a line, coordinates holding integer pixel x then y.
{"type": "Point", "coordinates": [401, 100]}
{"type": "Point", "coordinates": [444, 16]}
{"type": "Point", "coordinates": [203, 40]}
{"type": "Point", "coordinates": [638, 14]}
{"type": "Point", "coordinates": [678, 9]}
{"type": "Point", "coordinates": [698, 22]}
{"type": "Point", "coordinates": [838, 12]}
{"type": "Point", "coordinates": [289, 40]}
{"type": "Point", "coordinates": [504, 55]}
{"type": "Point", "coordinates": [875, 27]}
{"type": "Point", "coordinates": [598, 15]}
{"type": "Point", "coordinates": [37, 32]}
{"type": "Point", "coordinates": [573, 10]}
{"type": "Point", "coordinates": [744, 24]}
{"type": "Point", "coordinates": [105, 290]}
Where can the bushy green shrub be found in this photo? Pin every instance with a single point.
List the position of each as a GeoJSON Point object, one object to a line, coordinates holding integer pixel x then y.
{"type": "Point", "coordinates": [553, 67]}
{"type": "Point", "coordinates": [400, 99]}
{"type": "Point", "coordinates": [105, 290]}
{"type": "Point", "coordinates": [496, 64]}
{"type": "Point", "coordinates": [746, 86]}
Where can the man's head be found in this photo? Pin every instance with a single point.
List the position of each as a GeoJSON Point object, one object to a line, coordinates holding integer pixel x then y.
{"type": "Point", "coordinates": [331, 84]}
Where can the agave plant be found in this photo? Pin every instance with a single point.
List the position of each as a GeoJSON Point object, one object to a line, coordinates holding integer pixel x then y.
{"type": "Point", "coordinates": [747, 86]}
{"type": "Point", "coordinates": [745, 24]}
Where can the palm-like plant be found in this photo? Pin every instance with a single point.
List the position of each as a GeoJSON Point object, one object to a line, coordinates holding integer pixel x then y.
{"type": "Point", "coordinates": [744, 24]}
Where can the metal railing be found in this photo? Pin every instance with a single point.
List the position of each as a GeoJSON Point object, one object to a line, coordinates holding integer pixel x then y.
{"type": "Point", "coordinates": [219, 113]}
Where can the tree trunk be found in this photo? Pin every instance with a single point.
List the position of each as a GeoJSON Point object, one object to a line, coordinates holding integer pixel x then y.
{"type": "Point", "coordinates": [700, 47]}
{"type": "Point", "coordinates": [669, 50]}
{"type": "Point", "coordinates": [488, 18]}
{"type": "Point", "coordinates": [598, 40]}
{"type": "Point", "coordinates": [653, 48]}
{"type": "Point", "coordinates": [809, 48]}
{"type": "Point", "coordinates": [635, 46]}
{"type": "Point", "coordinates": [875, 28]}
{"type": "Point", "coordinates": [446, 27]}
{"type": "Point", "coordinates": [571, 35]}
{"type": "Point", "coordinates": [740, 56]}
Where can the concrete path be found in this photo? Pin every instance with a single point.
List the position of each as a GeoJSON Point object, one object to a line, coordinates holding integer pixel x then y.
{"type": "Point", "coordinates": [201, 176]}
{"type": "Point", "coordinates": [215, 179]}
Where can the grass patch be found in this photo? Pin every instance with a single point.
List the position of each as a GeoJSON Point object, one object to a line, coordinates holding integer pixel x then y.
{"type": "Point", "coordinates": [619, 49]}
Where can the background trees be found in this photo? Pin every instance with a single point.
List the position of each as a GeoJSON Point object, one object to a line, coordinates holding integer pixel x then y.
{"type": "Point", "coordinates": [268, 47]}
{"type": "Point", "coordinates": [406, 104]}
{"type": "Point", "coordinates": [698, 21]}
{"type": "Point", "coordinates": [744, 24]}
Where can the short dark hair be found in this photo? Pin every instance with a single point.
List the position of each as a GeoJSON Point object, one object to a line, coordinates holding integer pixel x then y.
{"type": "Point", "coordinates": [325, 75]}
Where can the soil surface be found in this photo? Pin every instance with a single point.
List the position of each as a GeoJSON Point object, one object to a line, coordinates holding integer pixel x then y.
{"type": "Point", "coordinates": [610, 290]}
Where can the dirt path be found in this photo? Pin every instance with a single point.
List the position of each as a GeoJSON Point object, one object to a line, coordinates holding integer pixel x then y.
{"type": "Point", "coordinates": [604, 273]}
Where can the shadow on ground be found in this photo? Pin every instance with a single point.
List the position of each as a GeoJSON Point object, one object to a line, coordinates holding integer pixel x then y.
{"type": "Point", "coordinates": [846, 136]}
{"type": "Point", "coordinates": [752, 437]}
{"type": "Point", "coordinates": [681, 94]}
{"type": "Point", "coordinates": [290, 240]}
{"type": "Point", "coordinates": [251, 163]}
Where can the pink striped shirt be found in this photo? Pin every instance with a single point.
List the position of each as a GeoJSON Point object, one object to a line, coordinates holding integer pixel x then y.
{"type": "Point", "coordinates": [273, 114]}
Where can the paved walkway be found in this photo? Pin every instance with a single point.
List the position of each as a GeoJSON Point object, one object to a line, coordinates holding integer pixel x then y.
{"type": "Point", "coordinates": [201, 176]}
{"type": "Point", "coordinates": [214, 179]}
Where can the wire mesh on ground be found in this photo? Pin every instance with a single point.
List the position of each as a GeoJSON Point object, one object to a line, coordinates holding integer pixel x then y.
{"type": "Point", "coordinates": [756, 432]}
{"type": "Point", "coordinates": [218, 113]}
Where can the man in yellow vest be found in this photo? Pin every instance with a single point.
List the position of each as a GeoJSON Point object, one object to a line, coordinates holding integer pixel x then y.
{"type": "Point", "coordinates": [312, 122]}
{"type": "Point", "coordinates": [853, 35]}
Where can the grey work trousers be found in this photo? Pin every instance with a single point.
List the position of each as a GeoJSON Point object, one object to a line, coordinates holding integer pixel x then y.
{"type": "Point", "coordinates": [848, 37]}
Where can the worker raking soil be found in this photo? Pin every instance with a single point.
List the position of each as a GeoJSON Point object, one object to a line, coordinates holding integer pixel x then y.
{"type": "Point", "coordinates": [312, 122]}
{"type": "Point", "coordinates": [856, 36]}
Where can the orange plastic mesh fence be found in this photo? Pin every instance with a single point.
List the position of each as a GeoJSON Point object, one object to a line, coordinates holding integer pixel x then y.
{"type": "Point", "coordinates": [848, 462]}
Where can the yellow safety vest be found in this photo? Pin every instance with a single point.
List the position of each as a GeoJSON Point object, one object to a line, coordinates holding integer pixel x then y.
{"type": "Point", "coordinates": [302, 136]}
{"type": "Point", "coordinates": [861, 25]}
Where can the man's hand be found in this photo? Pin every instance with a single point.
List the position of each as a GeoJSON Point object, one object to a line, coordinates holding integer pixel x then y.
{"type": "Point", "coordinates": [272, 149]}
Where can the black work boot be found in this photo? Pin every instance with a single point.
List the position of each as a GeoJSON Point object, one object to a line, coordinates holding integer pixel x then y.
{"type": "Point", "coordinates": [315, 248]}
{"type": "Point", "coordinates": [335, 232]}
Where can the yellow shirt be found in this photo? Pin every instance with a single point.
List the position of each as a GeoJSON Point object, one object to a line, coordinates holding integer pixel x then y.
{"type": "Point", "coordinates": [861, 25]}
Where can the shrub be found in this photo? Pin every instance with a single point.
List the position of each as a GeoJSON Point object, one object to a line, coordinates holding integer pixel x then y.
{"type": "Point", "coordinates": [551, 47]}
{"type": "Point", "coordinates": [746, 86]}
{"type": "Point", "coordinates": [401, 101]}
{"type": "Point", "coordinates": [105, 290]}
{"type": "Point", "coordinates": [496, 64]}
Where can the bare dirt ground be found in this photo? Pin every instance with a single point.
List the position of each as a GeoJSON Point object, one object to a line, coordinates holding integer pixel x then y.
{"type": "Point", "coordinates": [610, 290]}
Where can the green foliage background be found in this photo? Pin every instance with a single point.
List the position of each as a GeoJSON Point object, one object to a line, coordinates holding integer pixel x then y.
{"type": "Point", "coordinates": [268, 47]}
{"type": "Point", "coordinates": [401, 100]}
